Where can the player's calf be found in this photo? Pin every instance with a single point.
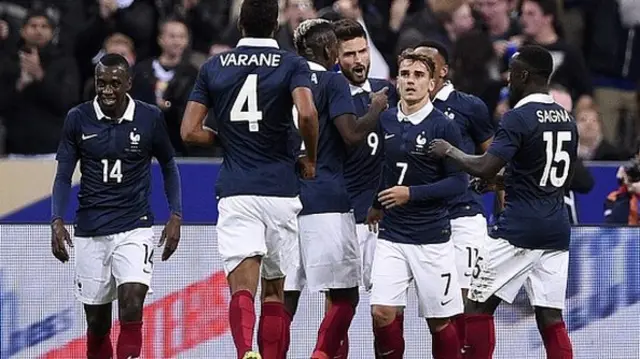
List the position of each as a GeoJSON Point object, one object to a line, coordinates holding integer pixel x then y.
{"type": "Point", "coordinates": [130, 309]}
{"type": "Point", "coordinates": [98, 331]}
{"type": "Point", "coordinates": [336, 322]}
{"type": "Point", "coordinates": [388, 331]}
{"type": "Point", "coordinates": [554, 333]}
{"type": "Point", "coordinates": [444, 337]}
{"type": "Point", "coordinates": [243, 282]}
{"type": "Point", "coordinates": [480, 335]}
{"type": "Point", "coordinates": [275, 321]}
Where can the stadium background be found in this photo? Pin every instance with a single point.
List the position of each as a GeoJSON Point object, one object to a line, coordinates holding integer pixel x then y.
{"type": "Point", "coordinates": [186, 315]}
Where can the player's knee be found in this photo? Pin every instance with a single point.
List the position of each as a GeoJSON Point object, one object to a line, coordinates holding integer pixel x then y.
{"type": "Point", "coordinates": [273, 290]}
{"type": "Point", "coordinates": [488, 307]}
{"type": "Point", "coordinates": [546, 317]}
{"type": "Point", "coordinates": [383, 315]}
{"type": "Point", "coordinates": [245, 276]}
{"type": "Point", "coordinates": [291, 299]}
{"type": "Point", "coordinates": [98, 325]}
{"type": "Point", "coordinates": [351, 295]}
{"type": "Point", "coordinates": [437, 324]}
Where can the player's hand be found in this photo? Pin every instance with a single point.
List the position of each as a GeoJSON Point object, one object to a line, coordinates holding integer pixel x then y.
{"type": "Point", "coordinates": [170, 236]}
{"type": "Point", "coordinates": [374, 216]}
{"type": "Point", "coordinates": [59, 240]}
{"type": "Point", "coordinates": [439, 148]}
{"type": "Point", "coordinates": [380, 100]}
{"type": "Point", "coordinates": [307, 168]}
{"type": "Point", "coordinates": [394, 196]}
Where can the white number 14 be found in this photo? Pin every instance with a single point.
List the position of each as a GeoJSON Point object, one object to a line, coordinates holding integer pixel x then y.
{"type": "Point", "coordinates": [553, 158]}
{"type": "Point", "coordinates": [114, 173]}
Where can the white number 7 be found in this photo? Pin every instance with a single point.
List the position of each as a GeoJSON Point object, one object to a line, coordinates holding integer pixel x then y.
{"type": "Point", "coordinates": [403, 170]}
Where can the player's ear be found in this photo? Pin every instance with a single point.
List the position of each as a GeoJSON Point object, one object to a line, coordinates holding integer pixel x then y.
{"type": "Point", "coordinates": [432, 85]}
{"type": "Point", "coordinates": [444, 72]}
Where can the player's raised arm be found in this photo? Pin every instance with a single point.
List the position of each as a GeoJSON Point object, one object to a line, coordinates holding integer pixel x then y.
{"type": "Point", "coordinates": [354, 130]}
{"type": "Point", "coordinates": [67, 158]}
{"type": "Point", "coordinates": [192, 130]}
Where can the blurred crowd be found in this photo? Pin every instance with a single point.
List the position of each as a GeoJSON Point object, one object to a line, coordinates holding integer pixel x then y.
{"type": "Point", "coordinates": [48, 50]}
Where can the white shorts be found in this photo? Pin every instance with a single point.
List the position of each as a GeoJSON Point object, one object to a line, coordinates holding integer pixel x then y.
{"type": "Point", "coordinates": [367, 241]}
{"type": "Point", "coordinates": [430, 266]}
{"type": "Point", "coordinates": [104, 263]}
{"type": "Point", "coordinates": [504, 268]}
{"type": "Point", "coordinates": [250, 226]}
{"type": "Point", "coordinates": [467, 235]}
{"type": "Point", "coordinates": [329, 253]}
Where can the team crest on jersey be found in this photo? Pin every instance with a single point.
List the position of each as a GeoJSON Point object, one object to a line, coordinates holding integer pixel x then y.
{"type": "Point", "coordinates": [134, 138]}
{"type": "Point", "coordinates": [421, 142]}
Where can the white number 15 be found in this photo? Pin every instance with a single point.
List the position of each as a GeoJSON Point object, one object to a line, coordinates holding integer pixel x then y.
{"type": "Point", "coordinates": [555, 157]}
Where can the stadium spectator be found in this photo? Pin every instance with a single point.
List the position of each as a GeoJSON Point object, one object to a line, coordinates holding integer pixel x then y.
{"type": "Point", "coordinates": [115, 44]}
{"type": "Point", "coordinates": [622, 205]}
{"type": "Point", "coordinates": [593, 145]}
{"type": "Point", "coordinates": [502, 28]}
{"type": "Point", "coordinates": [167, 80]}
{"type": "Point", "coordinates": [30, 92]}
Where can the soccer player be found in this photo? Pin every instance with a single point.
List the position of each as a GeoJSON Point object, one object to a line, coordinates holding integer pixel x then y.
{"type": "Point", "coordinates": [251, 91]}
{"type": "Point", "coordinates": [362, 168]}
{"type": "Point", "coordinates": [466, 212]}
{"type": "Point", "coordinates": [530, 241]}
{"type": "Point", "coordinates": [414, 233]}
{"type": "Point", "coordinates": [328, 243]}
{"type": "Point", "coordinates": [114, 138]}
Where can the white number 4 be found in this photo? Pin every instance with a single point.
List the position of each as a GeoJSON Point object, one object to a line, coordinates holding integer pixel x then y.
{"type": "Point", "coordinates": [115, 173]}
{"type": "Point", "coordinates": [248, 95]}
{"type": "Point", "coordinates": [553, 158]}
{"type": "Point", "coordinates": [403, 170]}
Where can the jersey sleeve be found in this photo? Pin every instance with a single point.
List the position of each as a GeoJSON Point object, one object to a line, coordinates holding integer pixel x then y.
{"type": "Point", "coordinates": [162, 148]}
{"type": "Point", "coordinates": [481, 125]}
{"type": "Point", "coordinates": [301, 76]}
{"type": "Point", "coordinates": [200, 92]}
{"type": "Point", "coordinates": [340, 100]}
{"type": "Point", "coordinates": [68, 146]}
{"type": "Point", "coordinates": [509, 137]}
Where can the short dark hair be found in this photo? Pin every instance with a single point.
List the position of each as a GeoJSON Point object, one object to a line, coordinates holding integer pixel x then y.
{"type": "Point", "coordinates": [111, 60]}
{"type": "Point", "coordinates": [549, 7]}
{"type": "Point", "coordinates": [536, 60]}
{"type": "Point", "coordinates": [314, 35]}
{"type": "Point", "coordinates": [347, 29]}
{"type": "Point", "coordinates": [259, 18]}
{"type": "Point", "coordinates": [38, 13]}
{"type": "Point", "coordinates": [442, 50]}
{"type": "Point", "coordinates": [171, 19]}
{"type": "Point", "coordinates": [410, 54]}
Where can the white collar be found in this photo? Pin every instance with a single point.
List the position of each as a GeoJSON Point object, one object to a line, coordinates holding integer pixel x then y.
{"type": "Point", "coordinates": [127, 115]}
{"type": "Point", "coordinates": [366, 87]}
{"type": "Point", "coordinates": [445, 92]}
{"type": "Point", "coordinates": [535, 97]}
{"type": "Point", "coordinates": [314, 66]}
{"type": "Point", "coordinates": [258, 42]}
{"type": "Point", "coordinates": [416, 117]}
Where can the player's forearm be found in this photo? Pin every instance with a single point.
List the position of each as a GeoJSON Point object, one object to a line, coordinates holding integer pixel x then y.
{"type": "Point", "coordinates": [172, 187]}
{"type": "Point", "coordinates": [446, 188]}
{"type": "Point", "coordinates": [192, 130]}
{"type": "Point", "coordinates": [474, 165]}
{"type": "Point", "coordinates": [61, 189]}
{"type": "Point", "coordinates": [381, 186]}
{"type": "Point", "coordinates": [308, 127]}
{"type": "Point", "coordinates": [366, 124]}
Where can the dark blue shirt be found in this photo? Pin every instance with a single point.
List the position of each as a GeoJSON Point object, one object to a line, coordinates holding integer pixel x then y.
{"type": "Point", "coordinates": [539, 140]}
{"type": "Point", "coordinates": [362, 167]}
{"type": "Point", "coordinates": [249, 91]}
{"type": "Point", "coordinates": [327, 192]}
{"type": "Point", "coordinates": [432, 182]}
{"type": "Point", "coordinates": [476, 127]}
{"type": "Point", "coordinates": [115, 162]}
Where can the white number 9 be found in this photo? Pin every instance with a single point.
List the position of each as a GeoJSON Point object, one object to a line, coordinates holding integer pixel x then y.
{"type": "Point", "coordinates": [294, 114]}
{"type": "Point", "coordinates": [372, 141]}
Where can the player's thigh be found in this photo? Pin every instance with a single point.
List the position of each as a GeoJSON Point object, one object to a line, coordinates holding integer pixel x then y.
{"type": "Point", "coordinates": [367, 241]}
{"type": "Point", "coordinates": [330, 251]}
{"type": "Point", "coordinates": [547, 284]}
{"type": "Point", "coordinates": [467, 234]}
{"type": "Point", "coordinates": [133, 256]}
{"type": "Point", "coordinates": [390, 275]}
{"type": "Point", "coordinates": [501, 270]}
{"type": "Point", "coordinates": [281, 237]}
{"type": "Point", "coordinates": [240, 230]}
{"type": "Point", "coordinates": [436, 278]}
{"type": "Point", "coordinates": [93, 283]}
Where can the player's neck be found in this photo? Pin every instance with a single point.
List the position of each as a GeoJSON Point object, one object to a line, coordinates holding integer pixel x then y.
{"type": "Point", "coordinates": [546, 37]}
{"type": "Point", "coordinates": [439, 86]}
{"type": "Point", "coordinates": [411, 108]}
{"type": "Point", "coordinates": [324, 63]}
{"type": "Point", "coordinates": [536, 90]}
{"type": "Point", "coordinates": [168, 60]}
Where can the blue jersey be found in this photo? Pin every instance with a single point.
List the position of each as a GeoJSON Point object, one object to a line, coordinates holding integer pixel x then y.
{"type": "Point", "coordinates": [539, 140]}
{"type": "Point", "coordinates": [115, 162]}
{"type": "Point", "coordinates": [406, 163]}
{"type": "Point", "coordinates": [362, 168]}
{"type": "Point", "coordinates": [476, 127]}
{"type": "Point", "coordinates": [249, 91]}
{"type": "Point", "coordinates": [327, 193]}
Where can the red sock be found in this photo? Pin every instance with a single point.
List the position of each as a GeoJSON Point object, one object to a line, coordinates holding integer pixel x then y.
{"type": "Point", "coordinates": [480, 336]}
{"type": "Point", "coordinates": [273, 331]}
{"type": "Point", "coordinates": [343, 351]}
{"type": "Point", "coordinates": [242, 320]}
{"type": "Point", "coordinates": [334, 328]}
{"type": "Point", "coordinates": [129, 340]}
{"type": "Point", "coordinates": [99, 347]}
{"type": "Point", "coordinates": [389, 340]}
{"type": "Point", "coordinates": [459, 322]}
{"type": "Point", "coordinates": [445, 343]}
{"type": "Point", "coordinates": [557, 342]}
